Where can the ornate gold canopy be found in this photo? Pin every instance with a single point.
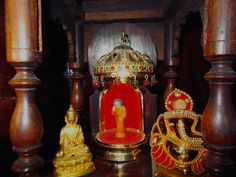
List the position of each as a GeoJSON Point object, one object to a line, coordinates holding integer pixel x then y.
{"type": "Point", "coordinates": [124, 62]}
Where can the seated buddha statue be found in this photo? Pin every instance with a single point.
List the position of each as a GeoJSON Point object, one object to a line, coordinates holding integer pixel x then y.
{"type": "Point", "coordinates": [119, 113]}
{"type": "Point", "coordinates": [73, 157]}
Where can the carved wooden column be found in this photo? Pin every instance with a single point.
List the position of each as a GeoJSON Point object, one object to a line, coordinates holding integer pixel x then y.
{"type": "Point", "coordinates": [77, 90]}
{"type": "Point", "coordinates": [70, 43]}
{"type": "Point", "coordinates": [171, 59]}
{"type": "Point", "coordinates": [77, 66]}
{"type": "Point", "coordinates": [79, 42]}
{"type": "Point", "coordinates": [23, 41]}
{"type": "Point", "coordinates": [219, 117]}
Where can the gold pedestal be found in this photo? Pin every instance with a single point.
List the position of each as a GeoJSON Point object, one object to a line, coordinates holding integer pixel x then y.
{"type": "Point", "coordinates": [120, 153]}
{"type": "Point", "coordinates": [74, 170]}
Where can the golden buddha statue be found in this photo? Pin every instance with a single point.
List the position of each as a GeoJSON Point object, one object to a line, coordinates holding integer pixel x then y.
{"type": "Point", "coordinates": [74, 158]}
{"type": "Point", "coordinates": [119, 112]}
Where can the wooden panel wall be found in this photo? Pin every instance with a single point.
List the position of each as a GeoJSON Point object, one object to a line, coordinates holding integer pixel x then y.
{"type": "Point", "coordinates": [193, 66]}
{"type": "Point", "coordinates": [155, 30]}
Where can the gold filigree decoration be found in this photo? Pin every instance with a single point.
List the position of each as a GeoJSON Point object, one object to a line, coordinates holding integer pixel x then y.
{"type": "Point", "coordinates": [175, 141]}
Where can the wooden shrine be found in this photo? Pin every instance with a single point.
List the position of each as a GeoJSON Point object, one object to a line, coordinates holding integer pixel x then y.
{"type": "Point", "coordinates": [47, 54]}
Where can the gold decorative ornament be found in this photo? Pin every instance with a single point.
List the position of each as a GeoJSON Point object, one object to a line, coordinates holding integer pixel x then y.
{"type": "Point", "coordinates": [175, 141]}
{"type": "Point", "coordinates": [74, 158]}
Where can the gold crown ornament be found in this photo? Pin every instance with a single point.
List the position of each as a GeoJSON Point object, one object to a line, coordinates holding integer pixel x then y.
{"type": "Point", "coordinates": [124, 63]}
{"type": "Point", "coordinates": [175, 141]}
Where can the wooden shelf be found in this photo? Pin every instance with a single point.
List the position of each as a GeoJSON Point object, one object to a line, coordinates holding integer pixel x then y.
{"type": "Point", "coordinates": [143, 167]}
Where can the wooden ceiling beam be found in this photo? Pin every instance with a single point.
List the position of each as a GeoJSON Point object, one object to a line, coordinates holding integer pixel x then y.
{"type": "Point", "coordinates": [122, 15]}
{"type": "Point", "coordinates": [173, 7]}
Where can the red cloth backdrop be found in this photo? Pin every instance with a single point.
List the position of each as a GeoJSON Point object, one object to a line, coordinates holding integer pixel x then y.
{"type": "Point", "coordinates": [131, 99]}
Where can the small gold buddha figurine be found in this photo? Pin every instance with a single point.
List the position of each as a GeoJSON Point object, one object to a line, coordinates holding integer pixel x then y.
{"type": "Point", "coordinates": [119, 112]}
{"type": "Point", "coordinates": [74, 158]}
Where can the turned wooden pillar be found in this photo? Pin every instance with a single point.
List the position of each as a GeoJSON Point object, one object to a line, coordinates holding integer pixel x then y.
{"type": "Point", "coordinates": [79, 43]}
{"type": "Point", "coordinates": [219, 117]}
{"type": "Point", "coordinates": [77, 90]}
{"type": "Point", "coordinates": [70, 43]}
{"type": "Point", "coordinates": [171, 60]}
{"type": "Point", "coordinates": [23, 43]}
{"type": "Point", "coordinates": [77, 66]}
{"type": "Point", "coordinates": [171, 76]}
